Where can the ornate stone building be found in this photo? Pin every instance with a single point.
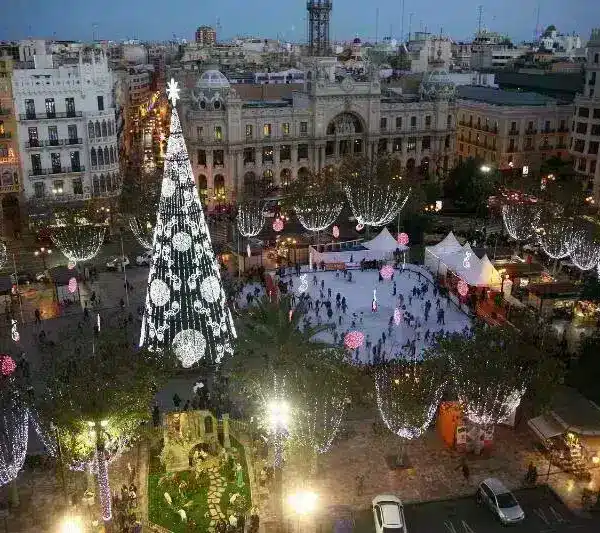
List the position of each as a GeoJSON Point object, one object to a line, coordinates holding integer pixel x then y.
{"type": "Point", "coordinates": [241, 144]}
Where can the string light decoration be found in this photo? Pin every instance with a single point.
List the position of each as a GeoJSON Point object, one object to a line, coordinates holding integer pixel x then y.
{"type": "Point", "coordinates": [408, 395]}
{"type": "Point", "coordinates": [3, 255]}
{"type": "Point", "coordinates": [7, 365]}
{"type": "Point", "coordinates": [463, 288]}
{"type": "Point", "coordinates": [585, 252]}
{"type": "Point", "coordinates": [375, 204]}
{"type": "Point", "coordinates": [317, 213]}
{"type": "Point", "coordinates": [72, 285]}
{"type": "Point", "coordinates": [403, 239]}
{"type": "Point", "coordinates": [555, 237]}
{"type": "Point", "coordinates": [336, 232]}
{"type": "Point", "coordinates": [14, 432]}
{"type": "Point", "coordinates": [142, 231]}
{"type": "Point", "coordinates": [250, 218]}
{"type": "Point", "coordinates": [387, 272]}
{"type": "Point", "coordinates": [79, 242]}
{"type": "Point", "coordinates": [520, 220]}
{"type": "Point", "coordinates": [467, 260]}
{"type": "Point", "coordinates": [278, 225]}
{"type": "Point", "coordinates": [185, 301]}
{"type": "Point", "coordinates": [103, 484]}
{"type": "Point", "coordinates": [354, 340]}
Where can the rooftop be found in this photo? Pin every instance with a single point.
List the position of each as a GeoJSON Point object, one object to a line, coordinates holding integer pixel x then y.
{"type": "Point", "coordinates": [499, 97]}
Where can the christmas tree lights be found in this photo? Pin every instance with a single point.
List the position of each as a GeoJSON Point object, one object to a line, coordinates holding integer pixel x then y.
{"type": "Point", "coordinates": [375, 204]}
{"type": "Point", "coordinates": [80, 242]}
{"type": "Point", "coordinates": [185, 302]}
{"type": "Point", "coordinates": [585, 252]}
{"type": "Point", "coordinates": [556, 237]}
{"type": "Point", "coordinates": [143, 231]}
{"type": "Point", "coordinates": [3, 255]}
{"type": "Point", "coordinates": [14, 429]}
{"type": "Point", "coordinates": [250, 218]}
{"type": "Point", "coordinates": [520, 220]}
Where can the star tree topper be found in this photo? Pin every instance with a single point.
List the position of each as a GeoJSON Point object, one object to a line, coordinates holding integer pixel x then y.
{"type": "Point", "coordinates": [173, 91]}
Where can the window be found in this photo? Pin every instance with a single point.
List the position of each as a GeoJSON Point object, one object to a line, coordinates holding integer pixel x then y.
{"type": "Point", "coordinates": [593, 147]}
{"type": "Point", "coordinates": [100, 100]}
{"type": "Point", "coordinates": [383, 123]}
{"type": "Point", "coordinates": [72, 133]}
{"type": "Point", "coordinates": [596, 58]}
{"type": "Point", "coordinates": [77, 185]}
{"type": "Point", "coordinates": [218, 158]}
{"type": "Point", "coordinates": [449, 121]}
{"type": "Point", "coordinates": [302, 151]}
{"type": "Point", "coordinates": [70, 106]}
{"type": "Point", "coordinates": [285, 129]}
{"type": "Point", "coordinates": [218, 133]}
{"type": "Point", "coordinates": [426, 143]}
{"type": "Point", "coordinates": [592, 80]}
{"type": "Point", "coordinates": [579, 145]}
{"type": "Point", "coordinates": [267, 154]}
{"type": "Point", "coordinates": [58, 187]}
{"type": "Point", "coordinates": [53, 135]}
{"type": "Point", "coordinates": [345, 147]}
{"type": "Point", "coordinates": [285, 152]}
{"type": "Point", "coordinates": [29, 108]}
{"type": "Point", "coordinates": [581, 127]}
{"type": "Point", "coordinates": [511, 145]}
{"type": "Point", "coordinates": [397, 145]}
{"type": "Point", "coordinates": [358, 146]}
{"type": "Point", "coordinates": [249, 156]}
{"type": "Point", "coordinates": [50, 108]}
{"type": "Point", "coordinates": [596, 113]}
{"type": "Point", "coordinates": [303, 128]}
{"type": "Point", "coordinates": [584, 112]}
{"type": "Point", "coordinates": [530, 126]}
{"type": "Point", "coordinates": [202, 158]}
{"type": "Point", "coordinates": [382, 146]}
{"type": "Point", "coordinates": [39, 189]}
{"type": "Point", "coordinates": [581, 164]}
{"type": "Point", "coordinates": [100, 157]}
{"type": "Point", "coordinates": [267, 130]}
{"type": "Point", "coordinates": [199, 132]}
{"type": "Point", "coordinates": [98, 130]}
{"type": "Point", "coordinates": [411, 144]}
{"type": "Point", "coordinates": [93, 157]}
{"type": "Point", "coordinates": [329, 149]}
{"type": "Point", "coordinates": [595, 129]}
{"type": "Point", "coordinates": [75, 162]}
{"type": "Point", "coordinates": [547, 126]}
{"type": "Point", "coordinates": [428, 121]}
{"type": "Point", "coordinates": [55, 160]}
{"type": "Point", "coordinates": [36, 164]}
{"type": "Point", "coordinates": [563, 125]}
{"type": "Point", "coordinates": [447, 141]}
{"type": "Point", "coordinates": [398, 123]}
{"type": "Point", "coordinates": [513, 126]}
{"type": "Point", "coordinates": [33, 137]}
{"type": "Point", "coordinates": [592, 167]}
{"type": "Point", "coordinates": [413, 122]}
{"type": "Point", "coordinates": [249, 131]}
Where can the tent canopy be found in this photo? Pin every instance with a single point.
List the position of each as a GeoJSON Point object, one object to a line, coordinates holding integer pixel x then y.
{"type": "Point", "coordinates": [384, 242]}
{"type": "Point", "coordinates": [448, 246]}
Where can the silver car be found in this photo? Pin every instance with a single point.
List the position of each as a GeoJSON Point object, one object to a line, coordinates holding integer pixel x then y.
{"type": "Point", "coordinates": [500, 500]}
{"type": "Point", "coordinates": [388, 514]}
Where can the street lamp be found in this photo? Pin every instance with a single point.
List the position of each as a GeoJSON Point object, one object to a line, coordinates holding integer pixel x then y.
{"type": "Point", "coordinates": [303, 502]}
{"type": "Point", "coordinates": [485, 168]}
{"type": "Point", "coordinates": [279, 414]}
{"type": "Point", "coordinates": [43, 252]}
{"type": "Point", "coordinates": [71, 524]}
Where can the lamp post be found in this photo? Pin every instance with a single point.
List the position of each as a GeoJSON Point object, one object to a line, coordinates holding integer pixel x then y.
{"type": "Point", "coordinates": [43, 253]}
{"type": "Point", "coordinates": [71, 524]}
{"type": "Point", "coordinates": [304, 504]}
{"type": "Point", "coordinates": [279, 420]}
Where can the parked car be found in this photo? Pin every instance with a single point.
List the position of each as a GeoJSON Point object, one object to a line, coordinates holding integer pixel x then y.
{"type": "Point", "coordinates": [114, 262]}
{"type": "Point", "coordinates": [25, 278]}
{"type": "Point", "coordinates": [494, 495]}
{"type": "Point", "coordinates": [144, 259]}
{"type": "Point", "coordinates": [42, 277]}
{"type": "Point", "coordinates": [388, 514]}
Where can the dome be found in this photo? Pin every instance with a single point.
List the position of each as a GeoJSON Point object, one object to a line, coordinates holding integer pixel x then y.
{"type": "Point", "coordinates": [437, 85]}
{"type": "Point", "coordinates": [356, 41]}
{"type": "Point", "coordinates": [212, 79]}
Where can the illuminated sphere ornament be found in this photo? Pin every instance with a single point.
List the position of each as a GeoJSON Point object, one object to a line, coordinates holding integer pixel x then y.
{"type": "Point", "coordinates": [463, 288]}
{"type": "Point", "coordinates": [168, 188]}
{"type": "Point", "coordinates": [387, 271]}
{"type": "Point", "coordinates": [7, 365]}
{"type": "Point", "coordinates": [336, 232]}
{"type": "Point", "coordinates": [189, 346]}
{"type": "Point", "coordinates": [403, 239]}
{"type": "Point", "coordinates": [250, 218]}
{"type": "Point", "coordinates": [3, 254]}
{"type": "Point", "coordinates": [159, 292]}
{"type": "Point", "coordinates": [72, 285]}
{"type": "Point", "coordinates": [354, 340]}
{"type": "Point", "coordinates": [210, 289]}
{"type": "Point", "coordinates": [397, 316]}
{"type": "Point", "coordinates": [182, 241]}
{"type": "Point", "coordinates": [278, 225]}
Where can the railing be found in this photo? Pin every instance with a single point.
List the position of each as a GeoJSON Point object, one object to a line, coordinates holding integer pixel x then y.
{"type": "Point", "coordinates": [53, 142]}
{"type": "Point", "coordinates": [15, 187]}
{"type": "Point", "coordinates": [548, 130]}
{"type": "Point", "coordinates": [563, 130]}
{"type": "Point", "coordinates": [530, 131]}
{"type": "Point", "coordinates": [6, 135]}
{"type": "Point", "coordinates": [53, 171]}
{"type": "Point", "coordinates": [60, 198]}
{"type": "Point", "coordinates": [108, 166]}
{"type": "Point", "coordinates": [529, 148]}
{"type": "Point", "coordinates": [546, 147]}
{"type": "Point", "coordinates": [513, 132]}
{"type": "Point", "coordinates": [50, 116]}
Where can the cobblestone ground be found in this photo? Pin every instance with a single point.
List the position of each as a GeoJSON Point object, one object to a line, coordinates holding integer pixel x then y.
{"type": "Point", "coordinates": [434, 470]}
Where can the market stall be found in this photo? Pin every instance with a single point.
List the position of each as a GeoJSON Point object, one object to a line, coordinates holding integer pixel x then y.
{"type": "Point", "coordinates": [434, 255]}
{"type": "Point", "coordinates": [553, 298]}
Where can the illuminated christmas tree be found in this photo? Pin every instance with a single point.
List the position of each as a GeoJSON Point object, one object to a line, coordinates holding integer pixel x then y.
{"type": "Point", "coordinates": [185, 303]}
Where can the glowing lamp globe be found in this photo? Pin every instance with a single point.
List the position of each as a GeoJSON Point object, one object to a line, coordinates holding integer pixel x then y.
{"type": "Point", "coordinates": [278, 225]}
{"type": "Point", "coordinates": [360, 227]}
{"type": "Point", "coordinates": [354, 340]}
{"type": "Point", "coordinates": [248, 250]}
{"type": "Point", "coordinates": [72, 285]}
{"type": "Point", "coordinates": [403, 239]}
{"type": "Point", "coordinates": [463, 288]}
{"type": "Point", "coordinates": [387, 271]}
{"type": "Point", "coordinates": [336, 232]}
{"type": "Point", "coordinates": [397, 316]}
{"type": "Point", "coordinates": [7, 365]}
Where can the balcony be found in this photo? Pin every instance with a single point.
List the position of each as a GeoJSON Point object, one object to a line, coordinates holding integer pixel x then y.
{"type": "Point", "coordinates": [109, 166]}
{"type": "Point", "coordinates": [548, 130]}
{"type": "Point", "coordinates": [49, 116]}
{"type": "Point", "coordinates": [513, 132]}
{"type": "Point", "coordinates": [529, 148]}
{"type": "Point", "coordinates": [33, 144]}
{"type": "Point", "coordinates": [6, 135]}
{"type": "Point", "coordinates": [563, 129]}
{"type": "Point", "coordinates": [561, 146]}
{"type": "Point", "coordinates": [530, 131]}
{"type": "Point", "coordinates": [55, 171]}
{"type": "Point", "coordinates": [546, 147]}
{"type": "Point", "coordinates": [6, 189]}
{"type": "Point", "coordinates": [62, 198]}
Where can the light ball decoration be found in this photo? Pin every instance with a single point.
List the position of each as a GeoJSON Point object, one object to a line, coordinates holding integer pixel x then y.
{"type": "Point", "coordinates": [3, 254]}
{"type": "Point", "coordinates": [463, 288]}
{"type": "Point", "coordinates": [80, 242]}
{"type": "Point", "coordinates": [585, 252]}
{"type": "Point", "coordinates": [375, 204]}
{"type": "Point", "coordinates": [7, 365]}
{"type": "Point", "coordinates": [398, 315]}
{"type": "Point", "coordinates": [403, 239]}
{"type": "Point", "coordinates": [189, 346]}
{"type": "Point", "coordinates": [555, 237]}
{"type": "Point", "coordinates": [250, 218]}
{"type": "Point", "coordinates": [317, 213]}
{"type": "Point", "coordinates": [336, 232]}
{"type": "Point", "coordinates": [15, 433]}
{"type": "Point", "coordinates": [278, 225]}
{"type": "Point", "coordinates": [72, 286]}
{"type": "Point", "coordinates": [387, 272]}
{"type": "Point", "coordinates": [354, 340]}
{"type": "Point", "coordinates": [520, 220]}
{"type": "Point", "coordinates": [142, 231]}
{"type": "Point", "coordinates": [408, 395]}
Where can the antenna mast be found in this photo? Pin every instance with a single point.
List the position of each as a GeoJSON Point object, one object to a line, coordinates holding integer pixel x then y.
{"type": "Point", "coordinates": [479, 18]}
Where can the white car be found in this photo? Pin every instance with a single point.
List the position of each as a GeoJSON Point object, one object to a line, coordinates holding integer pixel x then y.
{"type": "Point", "coordinates": [114, 262]}
{"type": "Point", "coordinates": [388, 513]}
{"type": "Point", "coordinates": [144, 259]}
{"type": "Point", "coordinates": [500, 500]}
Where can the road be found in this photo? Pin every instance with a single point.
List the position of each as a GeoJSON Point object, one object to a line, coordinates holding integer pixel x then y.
{"type": "Point", "coordinates": [544, 513]}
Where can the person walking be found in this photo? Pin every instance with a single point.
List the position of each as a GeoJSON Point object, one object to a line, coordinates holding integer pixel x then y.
{"type": "Point", "coordinates": [465, 470]}
{"type": "Point", "coordinates": [38, 316]}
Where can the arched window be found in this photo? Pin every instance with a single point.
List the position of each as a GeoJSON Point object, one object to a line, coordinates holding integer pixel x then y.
{"type": "Point", "coordinates": [112, 155]}
{"type": "Point", "coordinates": [110, 127]}
{"type": "Point", "coordinates": [98, 131]}
{"type": "Point", "coordinates": [202, 188]}
{"type": "Point", "coordinates": [93, 157]}
{"type": "Point", "coordinates": [250, 183]}
{"type": "Point", "coordinates": [102, 183]}
{"type": "Point", "coordinates": [96, 185]}
{"type": "Point", "coordinates": [104, 130]}
{"type": "Point", "coordinates": [424, 169]}
{"type": "Point", "coordinates": [100, 156]}
{"type": "Point", "coordinates": [286, 177]}
{"type": "Point", "coordinates": [91, 130]}
{"type": "Point", "coordinates": [106, 156]}
{"type": "Point", "coordinates": [219, 186]}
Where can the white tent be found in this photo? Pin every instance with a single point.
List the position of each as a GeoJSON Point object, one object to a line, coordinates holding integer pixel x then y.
{"type": "Point", "coordinates": [384, 242]}
{"type": "Point", "coordinates": [464, 263]}
{"type": "Point", "coordinates": [434, 255]}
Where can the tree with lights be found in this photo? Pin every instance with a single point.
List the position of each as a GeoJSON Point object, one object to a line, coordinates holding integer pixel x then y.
{"type": "Point", "coordinates": [555, 233]}
{"type": "Point", "coordinates": [185, 303]}
{"type": "Point", "coordinates": [585, 248]}
{"type": "Point", "coordinates": [99, 390]}
{"type": "Point", "coordinates": [408, 394]}
{"type": "Point", "coordinates": [521, 220]}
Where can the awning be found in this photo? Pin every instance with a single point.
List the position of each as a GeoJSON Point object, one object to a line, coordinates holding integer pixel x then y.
{"type": "Point", "coordinates": [545, 428]}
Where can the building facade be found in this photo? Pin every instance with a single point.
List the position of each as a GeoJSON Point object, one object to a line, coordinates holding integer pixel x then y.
{"type": "Point", "coordinates": [509, 129]}
{"type": "Point", "coordinates": [206, 36]}
{"type": "Point", "coordinates": [239, 145]}
{"type": "Point", "coordinates": [10, 168]}
{"type": "Point", "coordinates": [585, 141]}
{"type": "Point", "coordinates": [66, 130]}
